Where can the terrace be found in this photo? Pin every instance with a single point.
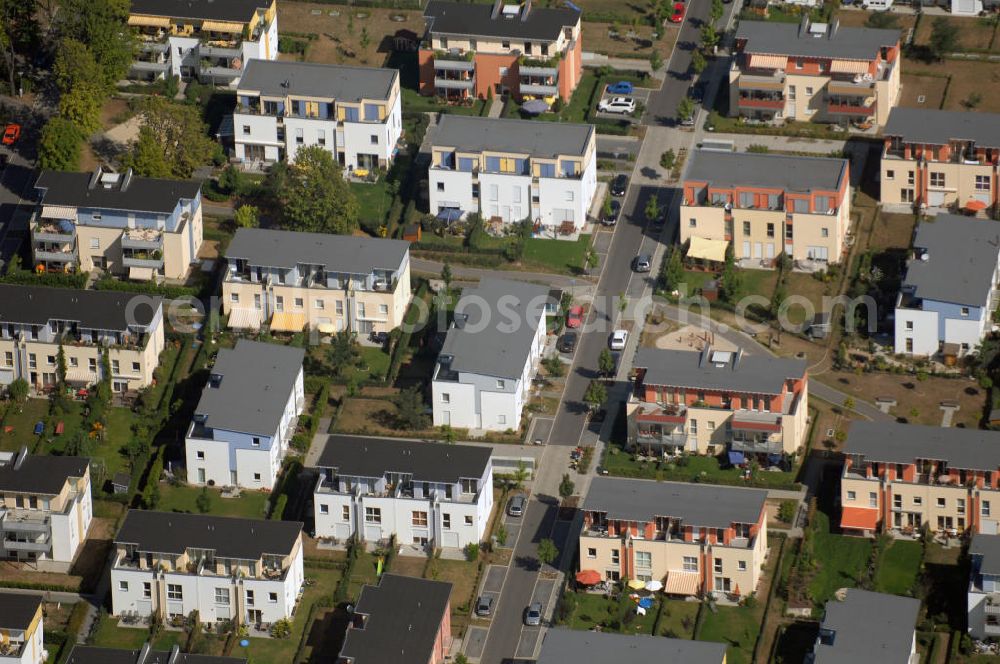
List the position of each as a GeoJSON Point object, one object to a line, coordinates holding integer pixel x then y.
{"type": "Point", "coordinates": [661, 529]}
{"type": "Point", "coordinates": [393, 485]}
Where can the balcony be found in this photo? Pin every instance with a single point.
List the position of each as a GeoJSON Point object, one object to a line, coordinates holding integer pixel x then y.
{"type": "Point", "coordinates": [991, 608]}
{"type": "Point", "coordinates": [453, 84]}
{"type": "Point", "coordinates": [756, 446]}
{"type": "Point", "coordinates": [225, 73]}
{"type": "Point", "coordinates": [17, 545]}
{"type": "Point", "coordinates": [992, 629]}
{"type": "Point", "coordinates": [142, 238]}
{"type": "Point", "coordinates": [665, 438]}
{"type": "Point", "coordinates": [761, 101]}
{"type": "Point", "coordinates": [150, 67]}
{"type": "Point", "coordinates": [153, 47]}
{"type": "Point", "coordinates": [54, 231]}
{"type": "Point", "coordinates": [762, 82]}
{"type": "Point", "coordinates": [24, 524]}
{"type": "Point", "coordinates": [851, 88]}
{"type": "Point", "coordinates": [441, 64]}
{"type": "Point", "coordinates": [148, 262]}
{"type": "Point", "coordinates": [545, 72]}
{"type": "Point", "coordinates": [539, 90]}
{"type": "Point", "coordinates": [210, 51]}
{"type": "Point", "coordinates": [850, 109]}
{"type": "Point", "coordinates": [55, 256]}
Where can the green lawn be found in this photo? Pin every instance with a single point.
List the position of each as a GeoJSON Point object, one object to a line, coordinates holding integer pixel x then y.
{"type": "Point", "coordinates": [695, 280]}
{"type": "Point", "coordinates": [110, 635]}
{"type": "Point", "coordinates": [19, 423]}
{"type": "Point", "coordinates": [840, 560]}
{"type": "Point", "coordinates": [678, 619]}
{"type": "Point", "coordinates": [363, 573]}
{"type": "Point", "coordinates": [736, 626]}
{"type": "Point", "coordinates": [560, 256]}
{"type": "Point", "coordinates": [701, 468]}
{"type": "Point", "coordinates": [414, 102]}
{"type": "Point", "coordinates": [760, 282]}
{"type": "Point", "coordinates": [374, 362]}
{"type": "Point", "coordinates": [613, 616]}
{"type": "Point", "coordinates": [374, 201]}
{"type": "Point", "coordinates": [107, 448]}
{"type": "Point", "coordinates": [250, 504]}
{"type": "Point", "coordinates": [898, 567]}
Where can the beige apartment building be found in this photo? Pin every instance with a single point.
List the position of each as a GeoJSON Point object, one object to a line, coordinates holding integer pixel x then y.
{"type": "Point", "coordinates": [941, 161]}
{"type": "Point", "coordinates": [694, 538]}
{"type": "Point", "coordinates": [288, 281]}
{"type": "Point", "coordinates": [814, 72]}
{"type": "Point", "coordinates": [37, 321]}
{"type": "Point", "coordinates": [901, 478]}
{"type": "Point", "coordinates": [765, 205]}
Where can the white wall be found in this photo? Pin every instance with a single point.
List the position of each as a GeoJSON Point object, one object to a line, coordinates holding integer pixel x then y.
{"type": "Point", "coordinates": [512, 201]}
{"type": "Point", "coordinates": [460, 411]}
{"type": "Point", "coordinates": [250, 463]}
{"type": "Point", "coordinates": [924, 332]}
{"type": "Point", "coordinates": [215, 464]}
{"type": "Point", "coordinates": [964, 331]}
{"type": "Point", "coordinates": [457, 191]}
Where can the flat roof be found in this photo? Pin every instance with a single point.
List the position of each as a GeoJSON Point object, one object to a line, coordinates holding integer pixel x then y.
{"type": "Point", "coordinates": [538, 139]}
{"type": "Point", "coordinates": [311, 79]}
{"type": "Point", "coordinates": [350, 254]}
{"type": "Point", "coordinates": [257, 379]}
{"type": "Point", "coordinates": [404, 616]}
{"type": "Point", "coordinates": [426, 462]}
{"type": "Point", "coordinates": [937, 127]}
{"type": "Point", "coordinates": [870, 628]}
{"type": "Point", "coordinates": [95, 655]}
{"type": "Point", "coordinates": [987, 546]}
{"type": "Point", "coordinates": [17, 610]}
{"type": "Point", "coordinates": [229, 537]}
{"type": "Point", "coordinates": [773, 171]}
{"type": "Point", "coordinates": [566, 646]}
{"type": "Point", "coordinates": [151, 195]}
{"type": "Point", "coordinates": [238, 11]}
{"type": "Point", "coordinates": [892, 442]}
{"type": "Point", "coordinates": [697, 505]}
{"type": "Point", "coordinates": [962, 255]}
{"type": "Point", "coordinates": [475, 20]}
{"type": "Point", "coordinates": [846, 43]}
{"type": "Point", "coordinates": [713, 370]}
{"type": "Point", "coordinates": [40, 474]}
{"type": "Point", "coordinates": [92, 309]}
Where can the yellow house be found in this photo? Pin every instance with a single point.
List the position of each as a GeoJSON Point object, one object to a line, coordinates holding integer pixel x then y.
{"type": "Point", "coordinates": [21, 640]}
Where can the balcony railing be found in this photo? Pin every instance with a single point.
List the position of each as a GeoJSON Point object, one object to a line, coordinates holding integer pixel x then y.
{"type": "Point", "coordinates": [153, 263]}
{"type": "Point", "coordinates": [24, 523]}
{"type": "Point", "coordinates": [155, 67]}
{"type": "Point", "coordinates": [55, 256]}
{"type": "Point", "coordinates": [991, 609]}
{"type": "Point", "coordinates": [533, 89]}
{"type": "Point", "coordinates": [647, 438]}
{"type": "Point", "coordinates": [219, 72]}
{"type": "Point", "coordinates": [452, 84]}
{"type": "Point", "coordinates": [762, 82]}
{"type": "Point", "coordinates": [762, 102]}
{"type": "Point", "coordinates": [850, 109]}
{"type": "Point", "coordinates": [538, 71]}
{"type": "Point", "coordinates": [17, 545]}
{"type": "Point", "coordinates": [57, 236]}
{"type": "Point", "coordinates": [453, 65]}
{"type": "Point", "coordinates": [756, 446]}
{"type": "Point", "coordinates": [153, 47]}
{"type": "Point", "coordinates": [219, 51]}
{"type": "Point", "coordinates": [142, 240]}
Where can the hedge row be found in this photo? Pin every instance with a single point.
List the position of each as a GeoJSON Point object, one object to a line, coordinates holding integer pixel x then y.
{"type": "Point", "coordinates": [410, 320]}
{"type": "Point", "coordinates": [169, 292]}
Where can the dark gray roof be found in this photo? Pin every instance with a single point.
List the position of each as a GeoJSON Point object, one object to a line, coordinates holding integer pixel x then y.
{"type": "Point", "coordinates": [760, 373]}
{"type": "Point", "coordinates": [141, 194]}
{"type": "Point", "coordinates": [773, 38]}
{"type": "Point", "coordinates": [404, 615]}
{"type": "Point", "coordinates": [240, 11]}
{"type": "Point", "coordinates": [962, 255]}
{"type": "Point", "coordinates": [257, 378]}
{"type": "Point", "coordinates": [95, 655]}
{"type": "Point", "coordinates": [100, 310]}
{"type": "Point", "coordinates": [474, 20]}
{"type": "Point", "coordinates": [229, 537]}
{"type": "Point", "coordinates": [696, 504]}
{"type": "Point", "coordinates": [891, 442]}
{"type": "Point", "coordinates": [871, 628]}
{"type": "Point", "coordinates": [748, 169]}
{"type": "Point", "coordinates": [341, 82]}
{"type": "Point", "coordinates": [538, 139]}
{"type": "Point", "coordinates": [337, 253]}
{"type": "Point", "coordinates": [501, 347]}
{"type": "Point", "coordinates": [565, 646]}
{"type": "Point", "coordinates": [18, 609]}
{"type": "Point", "coordinates": [987, 546]}
{"type": "Point", "coordinates": [937, 127]}
{"type": "Point", "coordinates": [427, 462]}
{"type": "Point", "coordinates": [40, 474]}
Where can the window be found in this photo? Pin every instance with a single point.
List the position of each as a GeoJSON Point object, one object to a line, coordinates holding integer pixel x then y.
{"type": "Point", "coordinates": [872, 499]}
{"type": "Point", "coordinates": [8, 358]}
{"type": "Point", "coordinates": [321, 137]}
{"type": "Point", "coordinates": [445, 397]}
{"type": "Point", "coordinates": [897, 502]}
{"type": "Point", "coordinates": [51, 359]}
{"type": "Point", "coordinates": [746, 228]}
{"type": "Point", "coordinates": [965, 312]}
{"type": "Point", "coordinates": [717, 567]}
{"type": "Point", "coordinates": [982, 183]}
{"type": "Point", "coordinates": [74, 362]}
{"type": "Point", "coordinates": [324, 508]}
{"type": "Point", "coordinates": [693, 427]}
{"type": "Point", "coordinates": [961, 505]}
{"type": "Point", "coordinates": [986, 508]}
{"type": "Point", "coordinates": [32, 361]}
{"type": "Point", "coordinates": [824, 232]}
{"type": "Point", "coordinates": [318, 304]}
{"type": "Point", "coordinates": [222, 596]}
{"type": "Point", "coordinates": [272, 598]}
{"type": "Point", "coordinates": [909, 345]}
{"type": "Point", "coordinates": [770, 230]}
{"type": "Point", "coordinates": [711, 425]}
{"type": "Point", "coordinates": [501, 419]}
{"type": "Point", "coordinates": [246, 130]}
{"type": "Point", "coordinates": [123, 586]}
{"type": "Point", "coordinates": [345, 514]}
{"type": "Point", "coordinates": [374, 139]}
{"type": "Point", "coordinates": [147, 590]}
{"type": "Point", "coordinates": [174, 591]}
{"type": "Point", "coordinates": [851, 495]}
{"type": "Point", "coordinates": [643, 559]}
{"type": "Point", "coordinates": [469, 486]}
{"type": "Point", "coordinates": [917, 500]}
{"type": "Point", "coordinates": [339, 307]}
{"type": "Point", "coordinates": [937, 179]}
{"type": "Point", "coordinates": [373, 515]}
{"type": "Point", "coordinates": [419, 519]}
{"type": "Point", "coordinates": [505, 44]}
{"type": "Point", "coordinates": [791, 92]}
{"type": "Point", "coordinates": [941, 502]}
{"type": "Point", "coordinates": [299, 302]}
{"type": "Point", "coordinates": [256, 477]}
{"type": "Point", "coordinates": [95, 243]}
{"type": "Point", "coordinates": [135, 366]}
{"type": "Point", "coordinates": [890, 175]}
{"type": "Point", "coordinates": [569, 194]}
{"type": "Point", "coordinates": [249, 598]}
{"type": "Point", "coordinates": [468, 519]}
{"type": "Point", "coordinates": [615, 557]}
{"type": "Point", "coordinates": [690, 564]}
{"type": "Point", "coordinates": [591, 553]}
{"type": "Point", "coordinates": [799, 64]}
{"type": "Point", "coordinates": [383, 309]}
{"type": "Point", "coordinates": [299, 138]}
{"type": "Point", "coordinates": [446, 521]}
{"type": "Point", "coordinates": [909, 325]}
{"type": "Point", "coordinates": [200, 454]}
{"type": "Point", "coordinates": [809, 92]}
{"type": "Point", "coordinates": [692, 222]}
{"type": "Point", "coordinates": [500, 384]}
{"type": "Point", "coordinates": [115, 366]}
{"type": "Point", "coordinates": [910, 177]}
{"type": "Point", "coordinates": [255, 442]}
{"type": "Point", "coordinates": [440, 186]}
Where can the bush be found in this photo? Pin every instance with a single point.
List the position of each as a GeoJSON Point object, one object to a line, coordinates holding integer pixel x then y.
{"type": "Point", "coordinates": [281, 628]}
{"type": "Point", "coordinates": [786, 511]}
{"type": "Point", "coordinates": [471, 552]}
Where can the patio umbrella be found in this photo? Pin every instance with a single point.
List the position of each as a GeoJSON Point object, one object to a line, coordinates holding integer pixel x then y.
{"type": "Point", "coordinates": [449, 214]}
{"type": "Point", "coordinates": [653, 586]}
{"type": "Point", "coordinates": [535, 107]}
{"type": "Point", "coordinates": [974, 205]}
{"type": "Point", "coordinates": [636, 584]}
{"type": "Point", "coordinates": [326, 328]}
{"type": "Point", "coordinates": [588, 577]}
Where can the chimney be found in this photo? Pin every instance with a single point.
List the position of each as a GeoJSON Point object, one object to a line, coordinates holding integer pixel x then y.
{"type": "Point", "coordinates": [143, 654]}
{"type": "Point", "coordinates": [95, 178]}
{"type": "Point", "coordinates": [833, 28]}
{"type": "Point", "coordinates": [526, 10]}
{"type": "Point", "coordinates": [804, 27]}
{"type": "Point", "coordinates": [737, 358]}
{"type": "Point", "coordinates": [21, 456]}
{"type": "Point", "coordinates": [497, 6]}
{"type": "Point", "coordinates": [706, 352]}
{"type": "Point", "coordinates": [126, 179]}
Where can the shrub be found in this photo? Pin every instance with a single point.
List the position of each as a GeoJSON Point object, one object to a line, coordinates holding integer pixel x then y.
{"type": "Point", "coordinates": [281, 628]}
{"type": "Point", "coordinates": [471, 552]}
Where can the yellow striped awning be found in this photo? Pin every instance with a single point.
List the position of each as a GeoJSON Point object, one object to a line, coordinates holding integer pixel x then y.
{"type": "Point", "coordinates": [849, 67]}
{"type": "Point", "coordinates": [149, 21]}
{"type": "Point", "coordinates": [760, 61]}
{"type": "Point", "coordinates": [709, 250]}
{"type": "Point", "coordinates": [682, 583]}
{"type": "Point", "coordinates": [222, 26]}
{"type": "Point", "coordinates": [245, 318]}
{"type": "Point", "coordinates": [286, 321]}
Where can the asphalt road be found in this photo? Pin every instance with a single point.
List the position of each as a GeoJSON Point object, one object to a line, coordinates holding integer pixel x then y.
{"type": "Point", "coordinates": [661, 109]}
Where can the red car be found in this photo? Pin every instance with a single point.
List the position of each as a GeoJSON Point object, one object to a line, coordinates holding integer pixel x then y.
{"type": "Point", "coordinates": [678, 14]}
{"type": "Point", "coordinates": [11, 133]}
{"type": "Point", "coordinates": [574, 317]}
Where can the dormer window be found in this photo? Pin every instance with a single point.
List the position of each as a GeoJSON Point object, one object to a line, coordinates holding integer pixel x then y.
{"type": "Point", "coordinates": [215, 381]}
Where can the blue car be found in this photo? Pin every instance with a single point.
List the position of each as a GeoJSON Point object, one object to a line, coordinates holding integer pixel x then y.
{"type": "Point", "coordinates": [620, 88]}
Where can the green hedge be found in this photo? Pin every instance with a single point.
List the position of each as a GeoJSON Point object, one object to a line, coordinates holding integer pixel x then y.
{"type": "Point", "coordinates": [169, 292]}
{"type": "Point", "coordinates": [54, 279]}
{"type": "Point", "coordinates": [410, 319]}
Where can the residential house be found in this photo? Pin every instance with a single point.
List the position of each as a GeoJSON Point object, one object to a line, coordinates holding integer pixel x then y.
{"type": "Point", "coordinates": [425, 494]}
{"type": "Point", "coordinates": [868, 628]}
{"type": "Point", "coordinates": [208, 41]}
{"type": "Point", "coordinates": [490, 355]}
{"type": "Point", "coordinates": [21, 640]}
{"type": "Point", "coordinates": [936, 160]}
{"type": "Point", "coordinates": [566, 646]}
{"type": "Point", "coordinates": [948, 295]}
{"type": "Point", "coordinates": [169, 564]}
{"type": "Point", "coordinates": [97, 332]}
{"type": "Point", "coordinates": [984, 587]}
{"type": "Point", "coordinates": [709, 401]}
{"type": "Point", "coordinates": [352, 112]}
{"type": "Point", "coordinates": [694, 538]}
{"type": "Point", "coordinates": [327, 282]}
{"type": "Point", "coordinates": [145, 655]}
{"type": "Point", "coordinates": [403, 620]}
{"type": "Point", "coordinates": [45, 507]}
{"type": "Point", "coordinates": [513, 170]}
{"type": "Point", "coordinates": [819, 72]}
{"type": "Point", "coordinates": [135, 227]}
{"type": "Point", "coordinates": [484, 51]}
{"type": "Point", "coordinates": [765, 205]}
{"type": "Point", "coordinates": [905, 477]}
{"type": "Point", "coordinates": [246, 416]}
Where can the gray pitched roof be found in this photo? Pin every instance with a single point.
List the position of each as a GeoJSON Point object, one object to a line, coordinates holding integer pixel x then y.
{"type": "Point", "coordinates": [474, 20]}
{"type": "Point", "coordinates": [92, 309]}
{"type": "Point", "coordinates": [239, 11]}
{"type": "Point", "coordinates": [987, 546]}
{"type": "Point", "coordinates": [565, 646]}
{"type": "Point", "coordinates": [40, 474]}
{"type": "Point", "coordinates": [741, 372]}
{"type": "Point", "coordinates": [404, 615]}
{"type": "Point", "coordinates": [426, 462]}
{"type": "Point", "coordinates": [17, 610]}
{"type": "Point", "coordinates": [748, 169]}
{"type": "Point", "coordinates": [870, 628]}
{"type": "Point", "coordinates": [891, 442]}
{"type": "Point", "coordinates": [962, 255]}
{"type": "Point", "coordinates": [95, 655]}
{"type": "Point", "coordinates": [538, 139]}
{"type": "Point", "coordinates": [337, 253]}
{"type": "Point", "coordinates": [696, 504]}
{"type": "Point", "coordinates": [341, 82]}
{"type": "Point", "coordinates": [496, 339]}
{"type": "Point", "coordinates": [937, 127]}
{"type": "Point", "coordinates": [257, 379]}
{"type": "Point", "coordinates": [773, 38]}
{"type": "Point", "coordinates": [229, 537]}
{"type": "Point", "coordinates": [141, 195]}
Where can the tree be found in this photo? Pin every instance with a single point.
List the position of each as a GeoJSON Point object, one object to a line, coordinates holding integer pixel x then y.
{"type": "Point", "coordinates": [605, 363]}
{"type": "Point", "coordinates": [101, 24]}
{"type": "Point", "coordinates": [365, 39]}
{"type": "Point", "coordinates": [778, 298]}
{"type": "Point", "coordinates": [19, 34]}
{"type": "Point", "coordinates": [709, 37]}
{"type": "Point", "coordinates": [672, 272]}
{"type": "Point", "coordinates": [652, 210]}
{"type": "Point", "coordinates": [944, 38]}
{"type": "Point", "coordinates": [685, 108]}
{"type": "Point", "coordinates": [501, 534]}
{"type": "Point", "coordinates": [547, 551]}
{"type": "Point", "coordinates": [61, 366]}
{"type": "Point", "coordinates": [566, 486]}
{"type": "Point", "coordinates": [147, 157]}
{"type": "Point", "coordinates": [655, 60]}
{"type": "Point", "coordinates": [82, 107]}
{"type": "Point", "coordinates": [233, 181]}
{"type": "Point", "coordinates": [343, 353]}
{"type": "Point", "coordinates": [554, 366]}
{"type": "Point", "coordinates": [595, 395]}
{"type": "Point", "coordinates": [520, 475]}
{"type": "Point", "coordinates": [668, 159]}
{"type": "Point", "coordinates": [59, 145]}
{"type": "Point", "coordinates": [410, 409]}
{"type": "Point", "coordinates": [317, 198]}
{"type": "Point", "coordinates": [204, 501]}
{"type": "Point", "coordinates": [18, 390]}
{"type": "Point", "coordinates": [786, 510]}
{"type": "Point", "coordinates": [849, 403]}
{"type": "Point", "coordinates": [446, 276]}
{"type": "Point", "coordinates": [79, 444]}
{"type": "Point", "coordinates": [75, 66]}
{"type": "Point", "coordinates": [972, 100]}
{"type": "Point", "coordinates": [731, 282]}
{"type": "Point", "coordinates": [717, 10]}
{"type": "Point", "coordinates": [177, 132]}
{"type": "Point", "coordinates": [606, 208]}
{"type": "Point", "coordinates": [698, 62]}
{"type": "Point", "coordinates": [246, 216]}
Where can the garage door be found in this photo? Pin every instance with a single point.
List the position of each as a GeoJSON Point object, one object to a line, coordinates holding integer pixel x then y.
{"type": "Point", "coordinates": [342, 531]}
{"type": "Point", "coordinates": [373, 533]}
{"type": "Point", "coordinates": [935, 198]}
{"type": "Point", "coordinates": [449, 539]}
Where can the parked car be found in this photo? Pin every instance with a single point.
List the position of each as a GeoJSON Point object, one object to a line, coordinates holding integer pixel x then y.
{"type": "Point", "coordinates": [11, 133]}
{"type": "Point", "coordinates": [516, 505]}
{"type": "Point", "coordinates": [574, 317]}
{"type": "Point", "coordinates": [678, 14]}
{"type": "Point", "coordinates": [484, 605]}
{"type": "Point", "coordinates": [533, 614]}
{"type": "Point", "coordinates": [619, 185]}
{"type": "Point", "coordinates": [567, 342]}
{"type": "Point", "coordinates": [697, 93]}
{"type": "Point", "coordinates": [642, 263]}
{"type": "Point", "coordinates": [618, 340]}
{"type": "Point", "coordinates": [688, 121]}
{"type": "Point", "coordinates": [620, 88]}
{"type": "Point", "coordinates": [623, 105]}
{"type": "Point", "coordinates": [614, 209]}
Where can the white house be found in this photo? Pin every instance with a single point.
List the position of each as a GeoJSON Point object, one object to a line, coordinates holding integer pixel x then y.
{"type": "Point", "coordinates": [426, 494]}
{"type": "Point", "coordinates": [171, 563]}
{"type": "Point", "coordinates": [353, 112]}
{"type": "Point", "coordinates": [513, 170]}
{"type": "Point", "coordinates": [21, 626]}
{"type": "Point", "coordinates": [246, 416]}
{"type": "Point", "coordinates": [947, 298]}
{"type": "Point", "coordinates": [491, 353]}
{"type": "Point", "coordinates": [984, 587]}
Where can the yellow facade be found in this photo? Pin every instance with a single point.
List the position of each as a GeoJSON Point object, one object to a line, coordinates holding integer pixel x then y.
{"type": "Point", "coordinates": [956, 183]}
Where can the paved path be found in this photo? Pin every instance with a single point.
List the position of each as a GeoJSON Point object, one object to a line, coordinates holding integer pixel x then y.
{"type": "Point", "coordinates": [496, 107]}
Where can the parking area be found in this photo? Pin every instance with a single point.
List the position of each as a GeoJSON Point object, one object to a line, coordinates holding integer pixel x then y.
{"type": "Point", "coordinates": [527, 646]}
{"type": "Point", "coordinates": [513, 526]}
{"type": "Point", "coordinates": [640, 95]}
{"type": "Point", "coordinates": [475, 642]}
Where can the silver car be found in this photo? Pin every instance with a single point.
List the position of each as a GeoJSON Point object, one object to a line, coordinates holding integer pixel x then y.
{"type": "Point", "coordinates": [516, 506]}
{"type": "Point", "coordinates": [533, 614]}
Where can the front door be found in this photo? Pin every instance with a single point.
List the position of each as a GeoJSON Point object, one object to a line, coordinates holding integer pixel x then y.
{"type": "Point", "coordinates": [758, 250]}
{"type": "Point", "coordinates": [254, 616]}
{"type": "Point", "coordinates": [746, 249]}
